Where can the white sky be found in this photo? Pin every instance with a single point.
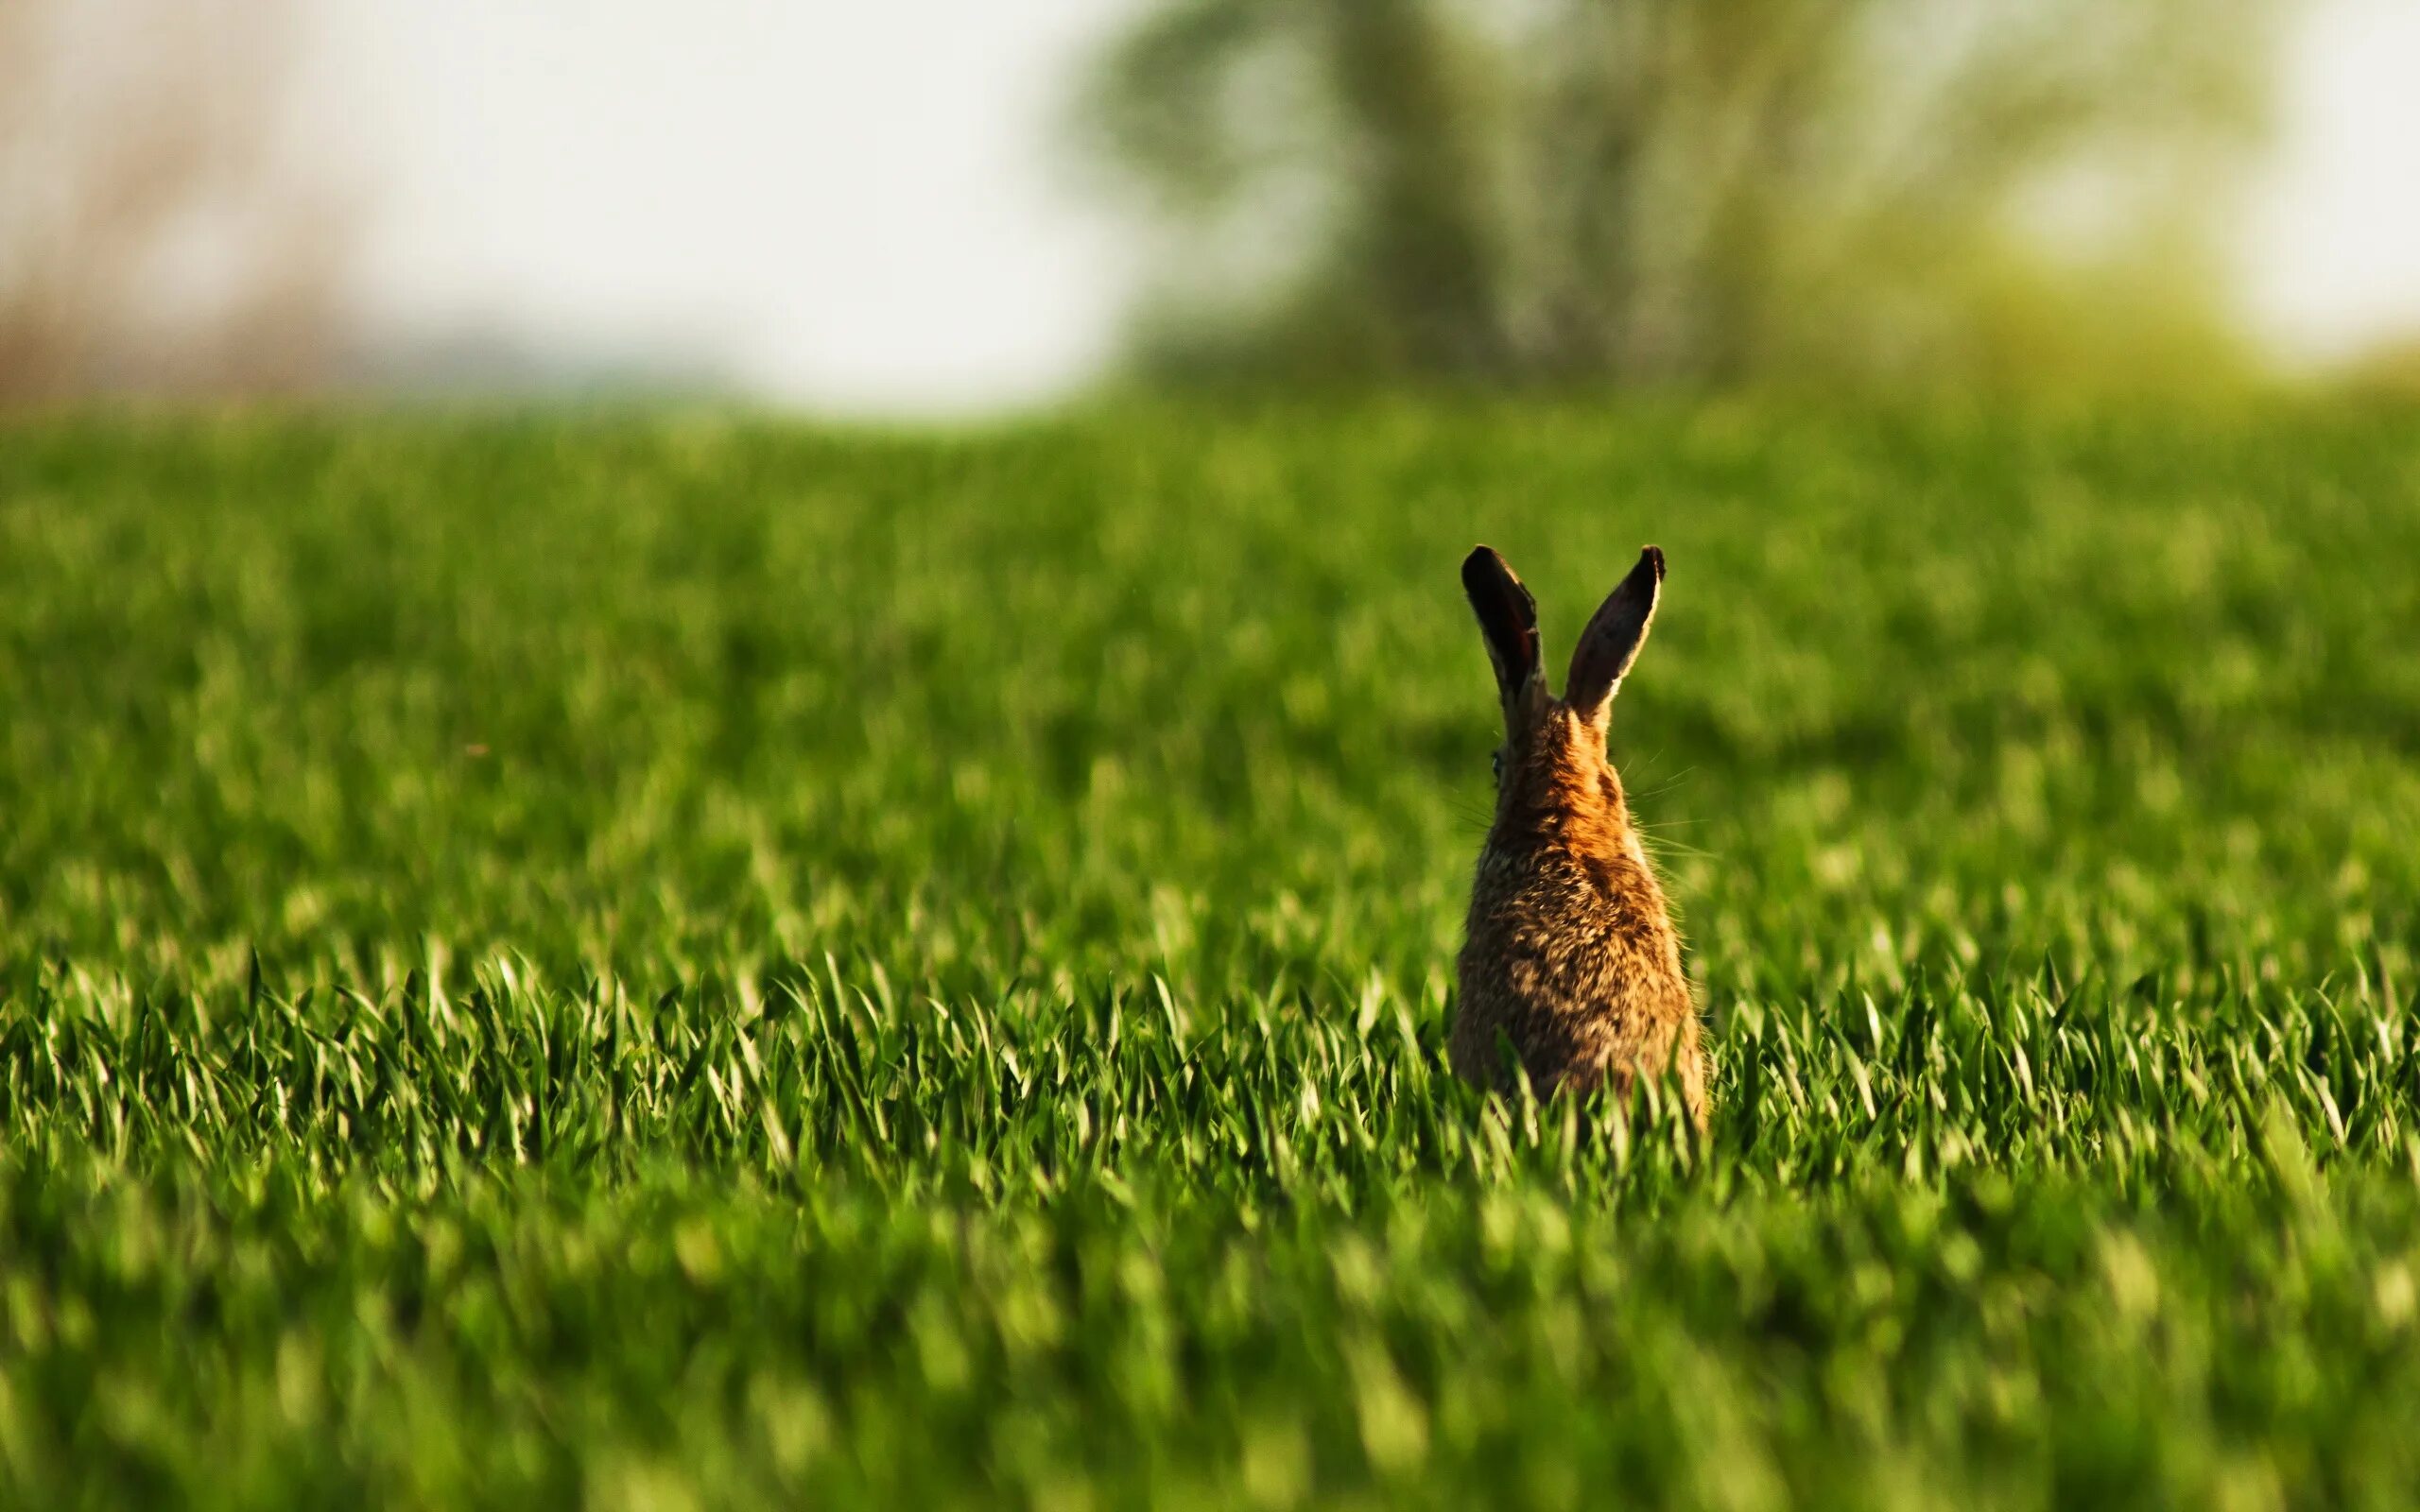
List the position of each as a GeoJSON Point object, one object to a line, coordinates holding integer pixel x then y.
{"type": "Point", "coordinates": [847, 205]}
{"type": "Point", "coordinates": [2331, 248]}
{"type": "Point", "coordinates": [857, 205]}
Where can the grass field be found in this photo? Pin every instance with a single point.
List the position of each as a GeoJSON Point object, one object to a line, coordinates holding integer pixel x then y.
{"type": "Point", "coordinates": [688, 962]}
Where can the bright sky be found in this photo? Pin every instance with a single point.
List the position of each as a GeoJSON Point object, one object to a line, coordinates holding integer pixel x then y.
{"type": "Point", "coordinates": [856, 206]}
{"type": "Point", "coordinates": [849, 205]}
{"type": "Point", "coordinates": [2331, 249]}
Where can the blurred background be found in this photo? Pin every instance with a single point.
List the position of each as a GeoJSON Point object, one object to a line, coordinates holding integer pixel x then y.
{"type": "Point", "coordinates": [946, 207]}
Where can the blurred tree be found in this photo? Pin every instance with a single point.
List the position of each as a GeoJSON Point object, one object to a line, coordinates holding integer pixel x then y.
{"type": "Point", "coordinates": [161, 227]}
{"type": "Point", "coordinates": [1685, 191]}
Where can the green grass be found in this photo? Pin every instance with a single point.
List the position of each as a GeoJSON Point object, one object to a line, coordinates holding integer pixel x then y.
{"type": "Point", "coordinates": [695, 962]}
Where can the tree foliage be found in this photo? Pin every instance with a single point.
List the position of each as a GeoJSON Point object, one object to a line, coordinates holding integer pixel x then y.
{"type": "Point", "coordinates": [1656, 191]}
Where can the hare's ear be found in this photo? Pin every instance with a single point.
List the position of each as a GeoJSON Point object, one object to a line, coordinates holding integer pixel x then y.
{"type": "Point", "coordinates": [1611, 642]}
{"type": "Point", "coordinates": [1508, 616]}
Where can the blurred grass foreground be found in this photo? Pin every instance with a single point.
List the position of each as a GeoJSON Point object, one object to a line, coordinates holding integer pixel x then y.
{"type": "Point", "coordinates": [687, 963]}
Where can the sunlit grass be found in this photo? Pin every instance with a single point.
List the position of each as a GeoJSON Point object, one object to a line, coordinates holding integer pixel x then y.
{"type": "Point", "coordinates": [697, 962]}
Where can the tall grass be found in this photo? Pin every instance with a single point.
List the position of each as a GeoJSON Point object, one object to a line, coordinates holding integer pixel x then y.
{"type": "Point", "coordinates": [692, 962]}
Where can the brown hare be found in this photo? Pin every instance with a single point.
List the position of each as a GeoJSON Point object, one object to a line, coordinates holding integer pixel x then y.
{"type": "Point", "coordinates": [1569, 957]}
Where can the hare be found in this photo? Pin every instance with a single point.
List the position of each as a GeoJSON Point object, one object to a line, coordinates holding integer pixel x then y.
{"type": "Point", "coordinates": [1569, 955]}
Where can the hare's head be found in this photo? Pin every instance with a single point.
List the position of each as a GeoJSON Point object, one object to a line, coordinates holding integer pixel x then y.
{"type": "Point", "coordinates": [1552, 775]}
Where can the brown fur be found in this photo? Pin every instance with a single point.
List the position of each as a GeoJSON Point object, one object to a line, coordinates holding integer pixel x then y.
{"type": "Point", "coordinates": [1570, 955]}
